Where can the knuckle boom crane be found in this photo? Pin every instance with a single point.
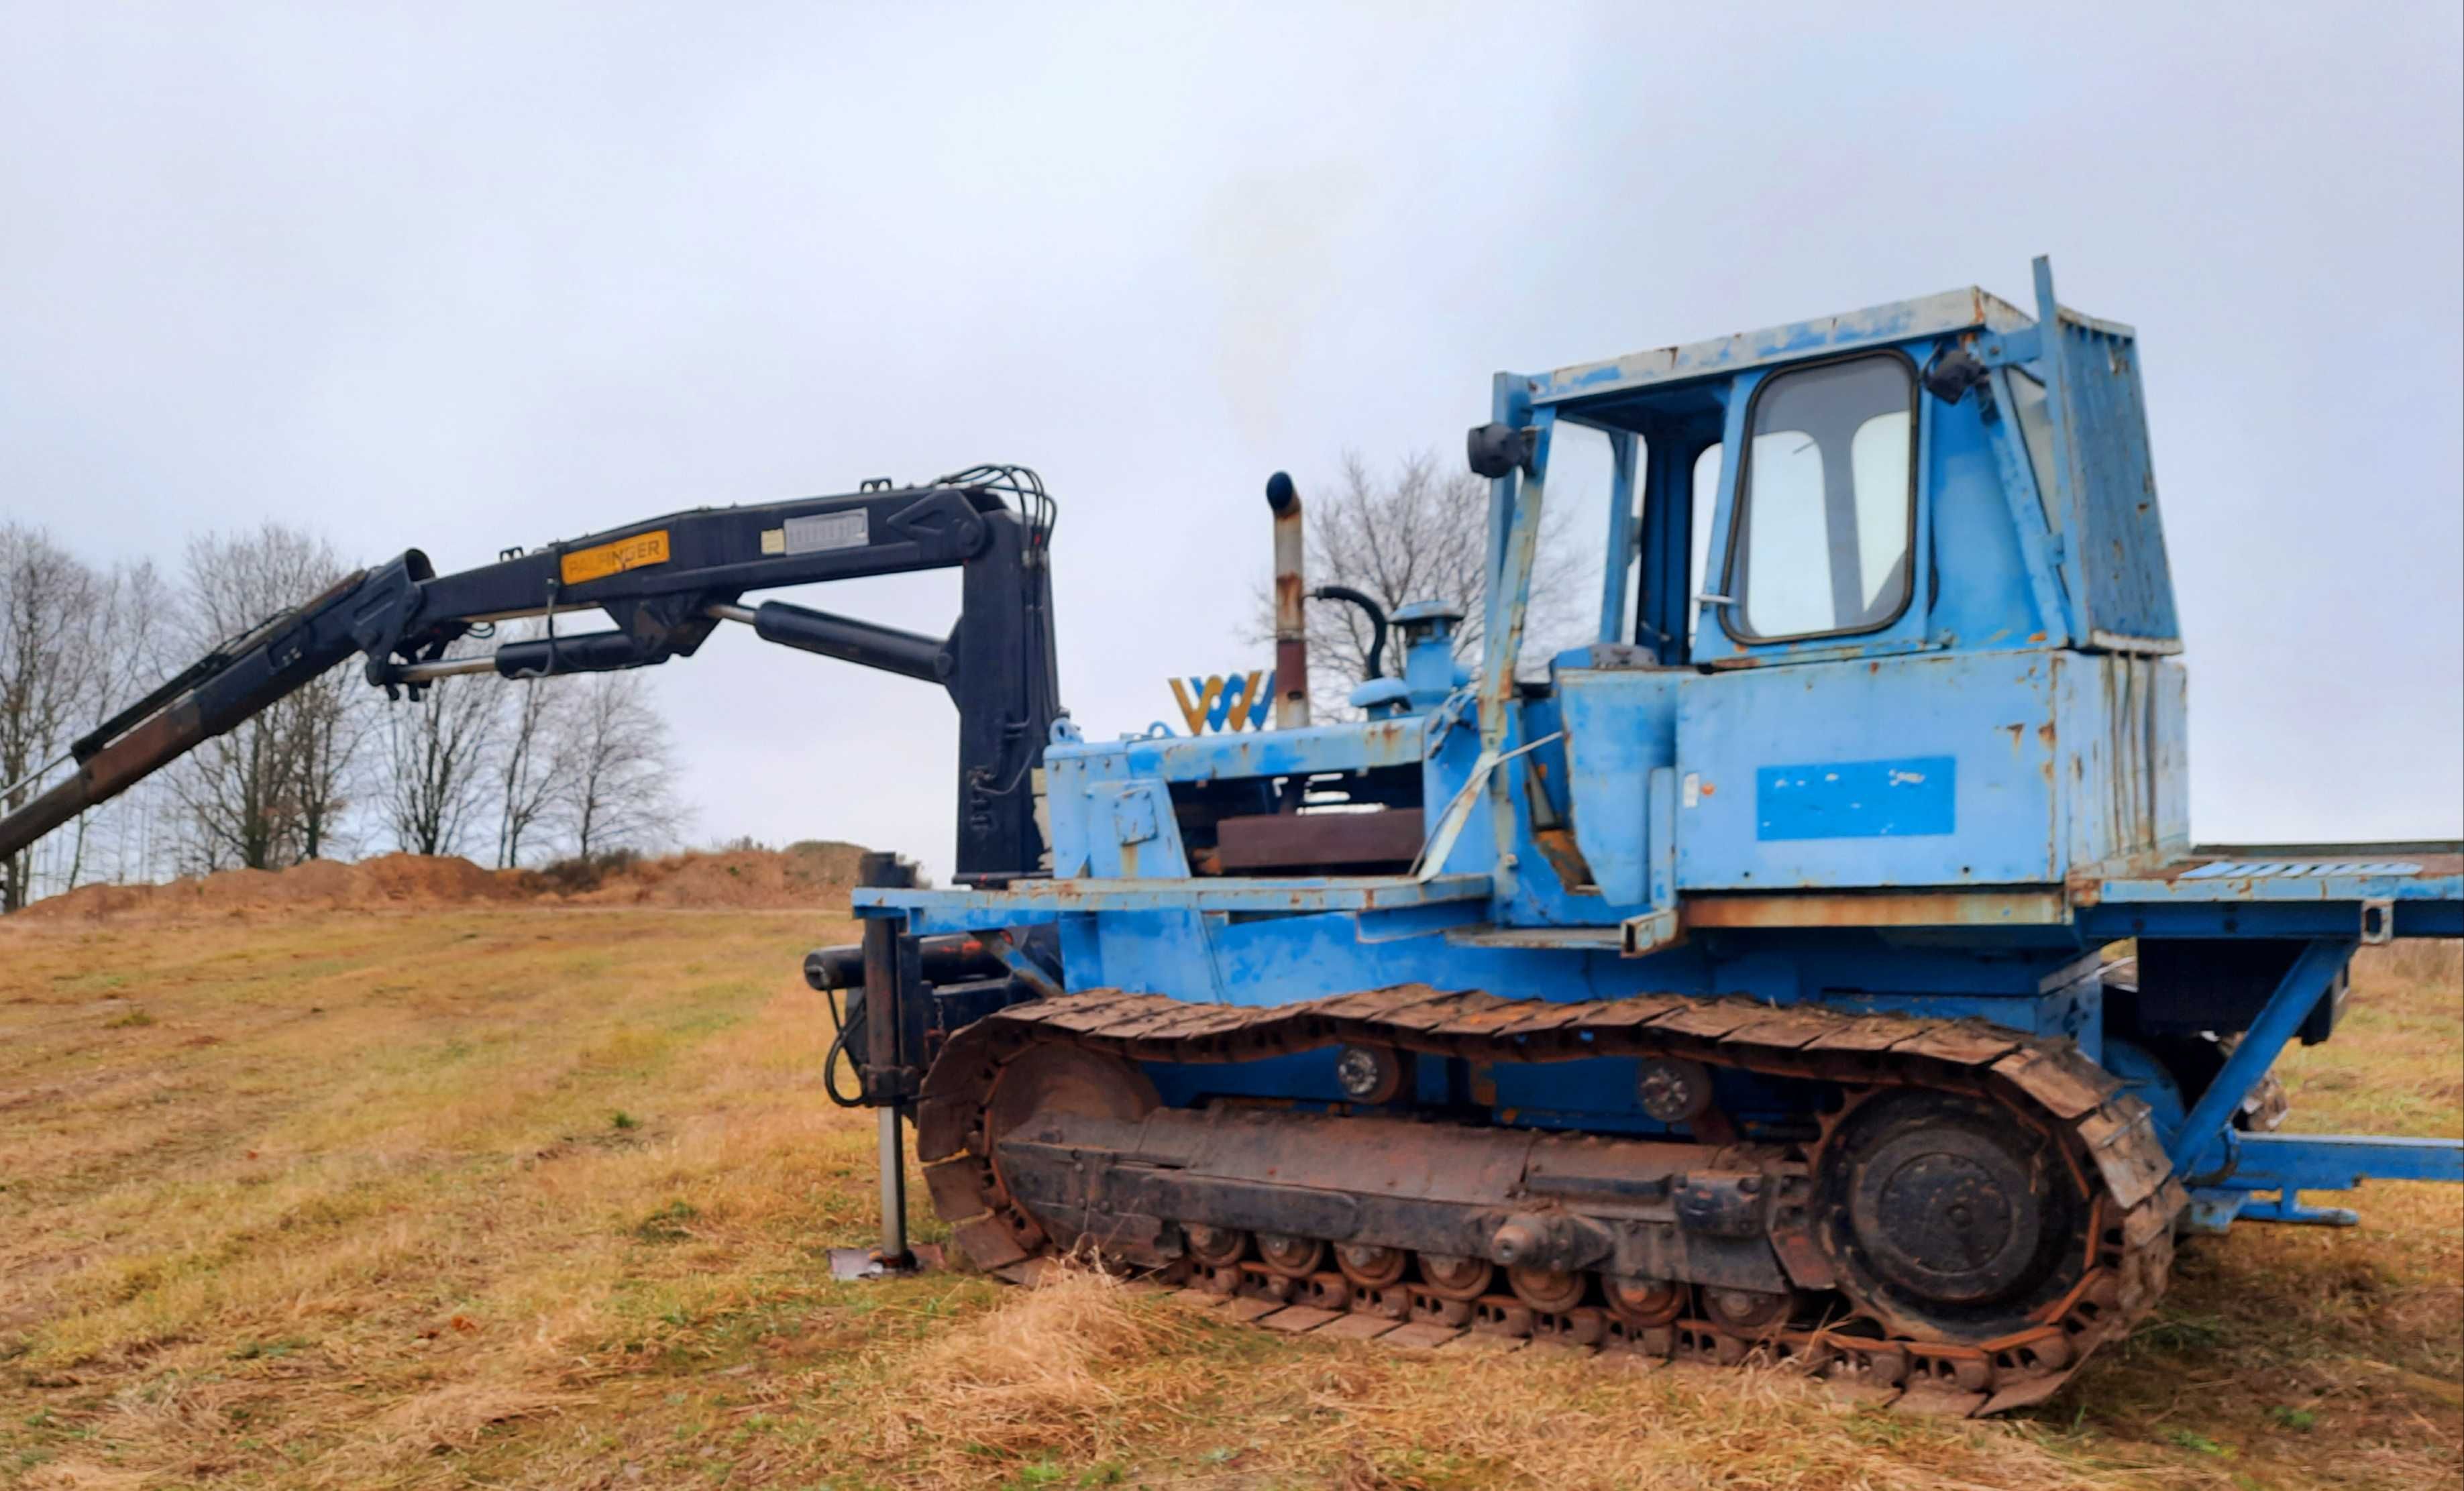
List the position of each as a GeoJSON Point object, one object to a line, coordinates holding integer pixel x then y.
{"type": "Point", "coordinates": [665, 583]}
{"type": "Point", "coordinates": [1737, 988]}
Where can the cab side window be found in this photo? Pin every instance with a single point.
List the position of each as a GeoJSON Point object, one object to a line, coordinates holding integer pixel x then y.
{"type": "Point", "coordinates": [1824, 533]}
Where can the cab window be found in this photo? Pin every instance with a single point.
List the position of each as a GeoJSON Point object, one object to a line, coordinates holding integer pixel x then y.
{"type": "Point", "coordinates": [1826, 525]}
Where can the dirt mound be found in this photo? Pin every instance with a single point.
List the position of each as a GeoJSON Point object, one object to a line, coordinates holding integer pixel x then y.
{"type": "Point", "coordinates": [814, 873]}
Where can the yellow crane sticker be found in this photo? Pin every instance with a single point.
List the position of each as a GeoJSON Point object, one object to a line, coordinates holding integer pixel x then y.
{"type": "Point", "coordinates": [602, 560]}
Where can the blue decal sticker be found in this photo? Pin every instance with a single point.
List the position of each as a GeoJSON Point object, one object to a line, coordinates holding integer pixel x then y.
{"type": "Point", "coordinates": [1858, 799]}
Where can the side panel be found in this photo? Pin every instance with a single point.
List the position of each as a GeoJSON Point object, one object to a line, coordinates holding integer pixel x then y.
{"type": "Point", "coordinates": [1914, 771]}
{"type": "Point", "coordinates": [2114, 532]}
{"type": "Point", "coordinates": [1618, 725]}
{"type": "Point", "coordinates": [2121, 734]}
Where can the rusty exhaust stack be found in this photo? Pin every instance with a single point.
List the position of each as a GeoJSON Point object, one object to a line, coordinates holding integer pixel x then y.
{"type": "Point", "coordinates": [1291, 597]}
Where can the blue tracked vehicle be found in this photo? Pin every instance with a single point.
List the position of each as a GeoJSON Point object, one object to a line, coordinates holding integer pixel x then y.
{"type": "Point", "coordinates": [1741, 981]}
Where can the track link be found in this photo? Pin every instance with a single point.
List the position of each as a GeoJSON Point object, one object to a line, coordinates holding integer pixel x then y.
{"type": "Point", "coordinates": [2099, 1151]}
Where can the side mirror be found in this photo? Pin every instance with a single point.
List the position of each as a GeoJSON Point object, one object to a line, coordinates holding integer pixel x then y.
{"type": "Point", "coordinates": [1952, 372]}
{"type": "Point", "coordinates": [1500, 450]}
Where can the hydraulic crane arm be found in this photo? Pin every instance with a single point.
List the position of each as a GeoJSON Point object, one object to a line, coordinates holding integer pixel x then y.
{"type": "Point", "coordinates": [667, 585]}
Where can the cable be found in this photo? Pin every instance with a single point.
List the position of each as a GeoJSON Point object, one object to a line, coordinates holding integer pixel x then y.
{"type": "Point", "coordinates": [837, 1051]}
{"type": "Point", "coordinates": [1035, 502]}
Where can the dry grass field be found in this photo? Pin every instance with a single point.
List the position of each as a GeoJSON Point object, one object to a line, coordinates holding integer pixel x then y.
{"type": "Point", "coordinates": [532, 1196]}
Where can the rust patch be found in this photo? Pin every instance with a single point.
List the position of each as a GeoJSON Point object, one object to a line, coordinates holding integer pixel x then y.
{"type": "Point", "coordinates": [1558, 846]}
{"type": "Point", "coordinates": [2031, 907]}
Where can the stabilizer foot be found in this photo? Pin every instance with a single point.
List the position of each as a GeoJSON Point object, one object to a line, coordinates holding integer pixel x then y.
{"type": "Point", "coordinates": [847, 1264]}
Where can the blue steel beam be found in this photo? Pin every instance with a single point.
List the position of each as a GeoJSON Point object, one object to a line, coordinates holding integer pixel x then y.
{"type": "Point", "coordinates": [1039, 900]}
{"type": "Point", "coordinates": [2115, 920]}
{"type": "Point", "coordinates": [2199, 1146]}
{"type": "Point", "coordinates": [2290, 1164]}
{"type": "Point", "coordinates": [2339, 1162]}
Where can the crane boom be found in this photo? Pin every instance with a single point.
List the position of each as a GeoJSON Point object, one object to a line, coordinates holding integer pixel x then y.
{"type": "Point", "coordinates": [665, 583]}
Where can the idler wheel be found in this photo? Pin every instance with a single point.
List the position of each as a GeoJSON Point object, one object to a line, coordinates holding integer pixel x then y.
{"type": "Point", "coordinates": [1215, 1247]}
{"type": "Point", "coordinates": [1949, 1218]}
{"type": "Point", "coordinates": [1293, 1258]}
{"type": "Point", "coordinates": [1644, 1302]}
{"type": "Point", "coordinates": [1451, 1278]}
{"type": "Point", "coordinates": [1370, 1266]}
{"type": "Point", "coordinates": [1556, 1290]}
{"type": "Point", "coordinates": [1050, 1081]}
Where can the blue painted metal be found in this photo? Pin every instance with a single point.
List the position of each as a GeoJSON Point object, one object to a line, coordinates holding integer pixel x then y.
{"type": "Point", "coordinates": [1621, 727]}
{"type": "Point", "coordinates": [2231, 883]}
{"type": "Point", "coordinates": [2339, 1162]}
{"type": "Point", "coordinates": [1949, 817]}
{"type": "Point", "coordinates": [1431, 674]}
{"type": "Point", "coordinates": [1039, 900]}
{"type": "Point", "coordinates": [2198, 1145]}
{"type": "Point", "coordinates": [2120, 584]}
{"type": "Point", "coordinates": [2286, 1165]}
{"type": "Point", "coordinates": [1614, 600]}
{"type": "Point", "coordinates": [1993, 717]}
{"type": "Point", "coordinates": [1902, 797]}
{"type": "Point", "coordinates": [2148, 1080]}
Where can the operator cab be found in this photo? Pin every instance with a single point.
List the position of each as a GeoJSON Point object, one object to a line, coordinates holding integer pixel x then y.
{"type": "Point", "coordinates": [1886, 595]}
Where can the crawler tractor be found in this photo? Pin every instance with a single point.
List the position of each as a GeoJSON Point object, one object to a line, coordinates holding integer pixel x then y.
{"type": "Point", "coordinates": [1814, 966]}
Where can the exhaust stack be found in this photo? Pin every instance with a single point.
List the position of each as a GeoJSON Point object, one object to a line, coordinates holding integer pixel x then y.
{"type": "Point", "coordinates": [1291, 598]}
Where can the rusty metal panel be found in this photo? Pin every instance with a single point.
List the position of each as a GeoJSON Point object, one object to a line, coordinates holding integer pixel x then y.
{"type": "Point", "coordinates": [2014, 907]}
{"type": "Point", "coordinates": [2126, 1154]}
{"type": "Point", "coordinates": [1439, 1015]}
{"type": "Point", "coordinates": [1171, 1021]}
{"type": "Point", "coordinates": [1788, 1029]}
{"type": "Point", "coordinates": [2067, 1084]}
{"type": "Point", "coordinates": [1098, 1013]}
{"type": "Point", "coordinates": [956, 1189]}
{"type": "Point", "coordinates": [2145, 1223]}
{"type": "Point", "coordinates": [1710, 1019]}
{"type": "Point", "coordinates": [1969, 1042]}
{"type": "Point", "coordinates": [2026, 1393]}
{"type": "Point", "coordinates": [1430, 1015]}
{"type": "Point", "coordinates": [1867, 1033]}
{"type": "Point", "coordinates": [1487, 1018]}
{"type": "Point", "coordinates": [1940, 1402]}
{"type": "Point", "coordinates": [1383, 1004]}
{"type": "Point", "coordinates": [942, 1124]}
{"type": "Point", "coordinates": [1639, 1010]}
{"type": "Point", "coordinates": [1215, 1019]}
{"type": "Point", "coordinates": [1550, 1017]}
{"type": "Point", "coordinates": [987, 1243]}
{"type": "Point", "coordinates": [1359, 1326]}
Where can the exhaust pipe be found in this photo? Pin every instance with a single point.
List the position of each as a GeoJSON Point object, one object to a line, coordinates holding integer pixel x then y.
{"type": "Point", "coordinates": [1291, 598]}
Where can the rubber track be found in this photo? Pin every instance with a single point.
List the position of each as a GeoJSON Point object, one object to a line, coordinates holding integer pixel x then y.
{"type": "Point", "coordinates": [2106, 1136]}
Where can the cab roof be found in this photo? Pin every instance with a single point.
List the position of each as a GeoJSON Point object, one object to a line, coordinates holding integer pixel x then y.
{"type": "Point", "coordinates": [1930, 315]}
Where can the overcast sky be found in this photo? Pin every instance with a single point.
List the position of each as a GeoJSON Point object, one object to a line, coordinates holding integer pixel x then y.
{"type": "Point", "coordinates": [465, 278]}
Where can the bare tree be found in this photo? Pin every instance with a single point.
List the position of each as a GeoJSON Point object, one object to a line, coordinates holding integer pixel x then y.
{"type": "Point", "coordinates": [440, 758]}
{"type": "Point", "coordinates": [1417, 533]}
{"type": "Point", "coordinates": [127, 658]}
{"type": "Point", "coordinates": [274, 790]}
{"type": "Point", "coordinates": [54, 668]}
{"type": "Point", "coordinates": [533, 775]}
{"type": "Point", "coordinates": [619, 766]}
